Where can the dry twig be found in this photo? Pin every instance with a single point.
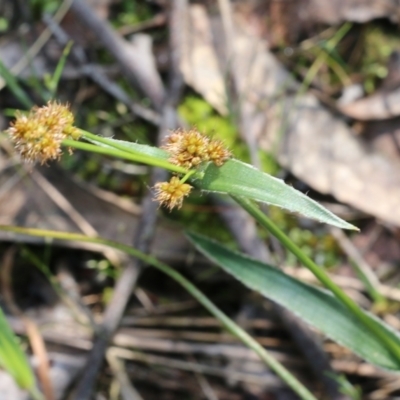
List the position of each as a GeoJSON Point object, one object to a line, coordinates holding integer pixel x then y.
{"type": "Point", "coordinates": [155, 91]}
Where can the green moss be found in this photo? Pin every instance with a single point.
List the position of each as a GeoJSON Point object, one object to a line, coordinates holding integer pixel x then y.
{"type": "Point", "coordinates": [40, 7]}
{"type": "Point", "coordinates": [378, 44]}
{"type": "Point", "coordinates": [316, 243]}
{"type": "Point", "coordinates": [131, 12]}
{"type": "Point", "coordinates": [197, 112]}
{"type": "Point", "coordinates": [3, 25]}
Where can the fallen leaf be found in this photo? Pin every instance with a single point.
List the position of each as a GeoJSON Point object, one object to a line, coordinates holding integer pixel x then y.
{"type": "Point", "coordinates": [337, 11]}
{"type": "Point", "coordinates": [199, 62]}
{"type": "Point", "coordinates": [380, 105]}
{"type": "Point", "coordinates": [315, 145]}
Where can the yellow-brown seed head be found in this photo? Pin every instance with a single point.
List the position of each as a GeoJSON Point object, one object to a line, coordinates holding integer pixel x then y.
{"type": "Point", "coordinates": [172, 141]}
{"type": "Point", "coordinates": [171, 194]}
{"type": "Point", "coordinates": [38, 135]}
{"type": "Point", "coordinates": [190, 148]}
{"type": "Point", "coordinates": [217, 152]}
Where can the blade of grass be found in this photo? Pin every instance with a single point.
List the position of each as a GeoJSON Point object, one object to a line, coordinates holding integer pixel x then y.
{"type": "Point", "coordinates": [311, 304]}
{"type": "Point", "coordinates": [320, 274]}
{"type": "Point", "coordinates": [14, 361]}
{"type": "Point", "coordinates": [323, 57]}
{"type": "Point", "coordinates": [15, 87]}
{"type": "Point", "coordinates": [52, 85]}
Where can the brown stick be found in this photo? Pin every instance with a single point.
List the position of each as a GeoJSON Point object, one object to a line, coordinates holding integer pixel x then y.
{"type": "Point", "coordinates": [147, 222]}
{"type": "Point", "coordinates": [130, 63]}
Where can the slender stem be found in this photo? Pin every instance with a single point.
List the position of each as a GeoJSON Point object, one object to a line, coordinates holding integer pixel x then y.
{"type": "Point", "coordinates": [35, 394]}
{"type": "Point", "coordinates": [322, 276]}
{"type": "Point", "coordinates": [361, 268]}
{"type": "Point", "coordinates": [187, 176]}
{"type": "Point", "coordinates": [135, 157]}
{"type": "Point", "coordinates": [104, 140]}
{"type": "Point", "coordinates": [229, 324]}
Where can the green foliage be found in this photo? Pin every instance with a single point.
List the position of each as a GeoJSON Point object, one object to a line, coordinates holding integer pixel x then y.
{"type": "Point", "coordinates": [315, 306]}
{"type": "Point", "coordinates": [234, 178]}
{"type": "Point", "coordinates": [345, 387]}
{"type": "Point", "coordinates": [317, 243]}
{"type": "Point", "coordinates": [321, 247]}
{"type": "Point", "coordinates": [131, 12]}
{"type": "Point", "coordinates": [347, 323]}
{"type": "Point", "coordinates": [3, 25]}
{"type": "Point", "coordinates": [12, 359]}
{"type": "Point", "coordinates": [240, 179]}
{"type": "Point", "coordinates": [378, 45]}
{"type": "Point", "coordinates": [51, 82]}
{"type": "Point", "coordinates": [197, 112]}
{"type": "Point", "coordinates": [14, 86]}
{"type": "Point", "coordinates": [44, 6]}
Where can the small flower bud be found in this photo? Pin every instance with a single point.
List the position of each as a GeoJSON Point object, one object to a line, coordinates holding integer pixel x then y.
{"type": "Point", "coordinates": [38, 135]}
{"type": "Point", "coordinates": [217, 153]}
{"type": "Point", "coordinates": [172, 193]}
{"type": "Point", "coordinates": [190, 148]}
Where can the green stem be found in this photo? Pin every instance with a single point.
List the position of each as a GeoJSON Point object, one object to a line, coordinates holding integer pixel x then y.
{"type": "Point", "coordinates": [229, 324]}
{"type": "Point", "coordinates": [372, 289]}
{"type": "Point", "coordinates": [322, 57]}
{"type": "Point", "coordinates": [104, 140]}
{"type": "Point", "coordinates": [320, 274]}
{"type": "Point", "coordinates": [187, 176]}
{"type": "Point", "coordinates": [35, 394]}
{"type": "Point", "coordinates": [135, 157]}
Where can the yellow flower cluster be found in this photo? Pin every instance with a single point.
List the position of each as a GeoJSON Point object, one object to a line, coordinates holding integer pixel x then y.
{"type": "Point", "coordinates": [38, 135]}
{"type": "Point", "coordinates": [172, 193]}
{"type": "Point", "coordinates": [187, 149]}
{"type": "Point", "coordinates": [190, 148]}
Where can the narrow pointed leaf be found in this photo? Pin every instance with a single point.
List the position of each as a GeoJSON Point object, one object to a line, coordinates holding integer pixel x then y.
{"type": "Point", "coordinates": [315, 306]}
{"type": "Point", "coordinates": [240, 179]}
{"type": "Point", "coordinates": [14, 86]}
{"type": "Point", "coordinates": [12, 358]}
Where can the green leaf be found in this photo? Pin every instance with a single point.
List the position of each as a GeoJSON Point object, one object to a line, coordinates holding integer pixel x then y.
{"type": "Point", "coordinates": [53, 82]}
{"type": "Point", "coordinates": [15, 87]}
{"type": "Point", "coordinates": [12, 359]}
{"type": "Point", "coordinates": [240, 179]}
{"type": "Point", "coordinates": [315, 306]}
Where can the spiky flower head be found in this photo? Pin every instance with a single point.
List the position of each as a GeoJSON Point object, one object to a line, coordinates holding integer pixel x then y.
{"type": "Point", "coordinates": [190, 148]}
{"type": "Point", "coordinates": [217, 152]}
{"type": "Point", "coordinates": [171, 194]}
{"type": "Point", "coordinates": [38, 135]}
{"type": "Point", "coordinates": [187, 148]}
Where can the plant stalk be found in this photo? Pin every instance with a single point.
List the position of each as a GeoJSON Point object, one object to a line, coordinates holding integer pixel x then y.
{"type": "Point", "coordinates": [131, 156]}
{"type": "Point", "coordinates": [35, 394]}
